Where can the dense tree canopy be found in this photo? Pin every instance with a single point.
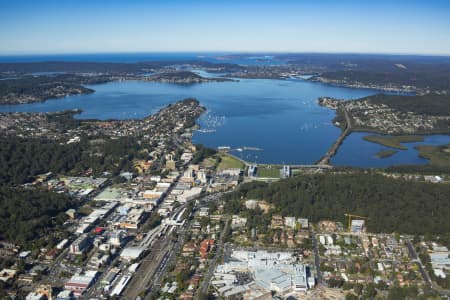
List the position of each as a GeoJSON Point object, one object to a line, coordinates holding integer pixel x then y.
{"type": "Point", "coordinates": [27, 214]}
{"type": "Point", "coordinates": [392, 205]}
{"type": "Point", "coordinates": [430, 104]}
{"type": "Point", "coordinates": [22, 159]}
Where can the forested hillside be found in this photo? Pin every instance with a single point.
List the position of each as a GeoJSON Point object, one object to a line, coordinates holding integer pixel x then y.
{"type": "Point", "coordinates": [22, 159]}
{"type": "Point", "coordinates": [26, 215]}
{"type": "Point", "coordinates": [392, 205]}
{"type": "Point", "coordinates": [431, 104]}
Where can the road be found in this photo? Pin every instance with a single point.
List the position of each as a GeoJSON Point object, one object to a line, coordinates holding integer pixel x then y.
{"type": "Point", "coordinates": [334, 148]}
{"type": "Point", "coordinates": [413, 255]}
{"type": "Point", "coordinates": [213, 263]}
{"type": "Point", "coordinates": [317, 258]}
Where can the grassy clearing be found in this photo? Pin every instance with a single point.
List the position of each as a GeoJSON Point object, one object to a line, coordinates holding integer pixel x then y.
{"type": "Point", "coordinates": [438, 155]}
{"type": "Point", "coordinates": [393, 141]}
{"type": "Point", "coordinates": [385, 153]}
{"type": "Point", "coordinates": [208, 162]}
{"type": "Point", "coordinates": [268, 172]}
{"type": "Point", "coordinates": [228, 162]}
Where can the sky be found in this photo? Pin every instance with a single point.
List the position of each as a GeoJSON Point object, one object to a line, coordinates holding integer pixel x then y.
{"type": "Point", "coordinates": [107, 26]}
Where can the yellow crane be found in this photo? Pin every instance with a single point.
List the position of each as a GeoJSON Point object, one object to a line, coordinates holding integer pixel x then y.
{"type": "Point", "coordinates": [350, 216]}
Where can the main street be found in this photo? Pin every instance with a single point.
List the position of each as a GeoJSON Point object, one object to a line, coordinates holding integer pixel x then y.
{"type": "Point", "coordinates": [212, 265]}
{"type": "Point", "coordinates": [316, 258]}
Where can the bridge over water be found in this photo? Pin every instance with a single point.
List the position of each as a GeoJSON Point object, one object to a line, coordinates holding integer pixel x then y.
{"type": "Point", "coordinates": [322, 163]}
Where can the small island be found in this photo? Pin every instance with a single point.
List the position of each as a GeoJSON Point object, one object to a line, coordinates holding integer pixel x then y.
{"type": "Point", "coordinates": [437, 155]}
{"type": "Point", "coordinates": [393, 141]}
{"type": "Point", "coordinates": [385, 153]}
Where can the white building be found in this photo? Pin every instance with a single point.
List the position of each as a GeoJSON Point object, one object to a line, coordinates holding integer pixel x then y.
{"type": "Point", "coordinates": [251, 204]}
{"type": "Point", "coordinates": [290, 222]}
{"type": "Point", "coordinates": [133, 218]}
{"type": "Point", "coordinates": [252, 170]}
{"type": "Point", "coordinates": [80, 245]}
{"type": "Point", "coordinates": [204, 212]}
{"type": "Point", "coordinates": [201, 176]}
{"type": "Point", "coordinates": [238, 222]}
{"type": "Point", "coordinates": [131, 253]}
{"type": "Point", "coordinates": [358, 226]}
{"type": "Point", "coordinates": [186, 157]}
{"type": "Point", "coordinates": [303, 223]}
{"type": "Point", "coordinates": [189, 195]}
{"type": "Point", "coordinates": [285, 172]}
{"type": "Point", "coordinates": [62, 244]}
{"type": "Point", "coordinates": [272, 271]}
{"type": "Point", "coordinates": [440, 260]}
{"type": "Point", "coordinates": [79, 283]}
{"type": "Point", "coordinates": [116, 238]}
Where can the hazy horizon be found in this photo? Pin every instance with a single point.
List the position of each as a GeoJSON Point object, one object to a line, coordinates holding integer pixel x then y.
{"type": "Point", "coordinates": [52, 27]}
{"type": "Point", "coordinates": [218, 52]}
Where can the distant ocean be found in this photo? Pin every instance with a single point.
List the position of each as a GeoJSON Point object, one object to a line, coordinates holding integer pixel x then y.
{"type": "Point", "coordinates": [215, 57]}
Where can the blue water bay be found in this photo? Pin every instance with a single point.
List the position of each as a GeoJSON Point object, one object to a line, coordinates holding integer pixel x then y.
{"type": "Point", "coordinates": [281, 117]}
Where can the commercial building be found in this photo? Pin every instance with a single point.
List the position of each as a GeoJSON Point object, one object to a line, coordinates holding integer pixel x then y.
{"type": "Point", "coordinates": [65, 295]}
{"type": "Point", "coordinates": [78, 284]}
{"type": "Point", "coordinates": [80, 245]}
{"type": "Point", "coordinates": [131, 253]}
{"type": "Point", "coordinates": [120, 286]}
{"type": "Point", "coordinates": [440, 260]}
{"type": "Point", "coordinates": [110, 276]}
{"type": "Point", "coordinates": [271, 271]}
{"type": "Point", "coordinates": [189, 194]}
{"type": "Point", "coordinates": [133, 219]}
{"type": "Point", "coordinates": [35, 296]}
{"type": "Point", "coordinates": [62, 244]}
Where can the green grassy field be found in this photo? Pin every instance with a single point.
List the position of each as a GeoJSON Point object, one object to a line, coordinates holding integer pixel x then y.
{"type": "Point", "coordinates": [394, 141]}
{"type": "Point", "coordinates": [268, 172]}
{"type": "Point", "coordinates": [438, 155]}
{"type": "Point", "coordinates": [228, 162]}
